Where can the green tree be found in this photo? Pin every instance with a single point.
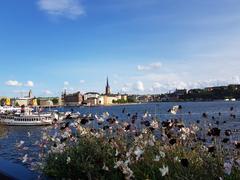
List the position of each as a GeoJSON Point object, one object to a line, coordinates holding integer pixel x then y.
{"type": "Point", "coordinates": [55, 101]}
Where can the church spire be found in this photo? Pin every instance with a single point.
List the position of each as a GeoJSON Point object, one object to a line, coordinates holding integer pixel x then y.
{"type": "Point", "coordinates": [108, 90]}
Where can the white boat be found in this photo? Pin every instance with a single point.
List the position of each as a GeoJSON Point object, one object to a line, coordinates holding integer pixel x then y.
{"type": "Point", "coordinates": [29, 119]}
{"type": "Point", "coordinates": [233, 99]}
{"type": "Point", "coordinates": [4, 109]}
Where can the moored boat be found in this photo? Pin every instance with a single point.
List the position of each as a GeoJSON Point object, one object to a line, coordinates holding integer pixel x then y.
{"type": "Point", "coordinates": [29, 119]}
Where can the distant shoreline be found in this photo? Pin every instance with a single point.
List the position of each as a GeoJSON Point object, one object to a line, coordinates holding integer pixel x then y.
{"type": "Point", "coordinates": [129, 104]}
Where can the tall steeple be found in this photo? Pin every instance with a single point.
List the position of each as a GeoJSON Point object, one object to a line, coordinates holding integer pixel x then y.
{"type": "Point", "coordinates": [30, 95]}
{"type": "Point", "coordinates": [108, 90]}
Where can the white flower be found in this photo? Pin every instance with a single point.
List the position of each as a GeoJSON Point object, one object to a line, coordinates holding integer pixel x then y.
{"type": "Point", "coordinates": [185, 130]}
{"type": "Point", "coordinates": [118, 164]}
{"type": "Point", "coordinates": [138, 152]}
{"type": "Point", "coordinates": [128, 172]}
{"type": "Point", "coordinates": [36, 143]}
{"type": "Point", "coordinates": [164, 170]}
{"type": "Point", "coordinates": [18, 145]}
{"type": "Point", "coordinates": [174, 110]}
{"type": "Point", "coordinates": [227, 168]}
{"type": "Point", "coordinates": [44, 137]}
{"type": "Point", "coordinates": [25, 148]}
{"type": "Point", "coordinates": [151, 143]}
{"type": "Point", "coordinates": [127, 161]}
{"type": "Point", "coordinates": [157, 158]}
{"type": "Point", "coordinates": [25, 158]}
{"type": "Point", "coordinates": [238, 162]}
{"type": "Point", "coordinates": [105, 115]}
{"type": "Point", "coordinates": [162, 154]}
{"type": "Point", "coordinates": [29, 134]}
{"type": "Point", "coordinates": [145, 115]}
{"type": "Point", "coordinates": [176, 159]}
{"type": "Point", "coordinates": [183, 136]}
{"type": "Point", "coordinates": [116, 154]}
{"type": "Point", "coordinates": [68, 160]}
{"type": "Point", "coordinates": [195, 128]}
{"type": "Point", "coordinates": [105, 167]}
{"type": "Point", "coordinates": [154, 124]}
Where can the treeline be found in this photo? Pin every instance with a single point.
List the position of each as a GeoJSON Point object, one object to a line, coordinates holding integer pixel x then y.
{"type": "Point", "coordinates": [215, 94]}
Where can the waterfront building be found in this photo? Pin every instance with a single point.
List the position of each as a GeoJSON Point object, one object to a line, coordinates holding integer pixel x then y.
{"type": "Point", "coordinates": [45, 102]}
{"type": "Point", "coordinates": [91, 101]}
{"type": "Point", "coordinates": [143, 98]}
{"type": "Point", "coordinates": [180, 92]}
{"type": "Point", "coordinates": [74, 99]}
{"type": "Point", "coordinates": [28, 100]}
{"type": "Point", "coordinates": [108, 98]}
{"type": "Point", "coordinates": [91, 95]}
{"type": "Point", "coordinates": [22, 101]}
{"type": "Point", "coordinates": [195, 91]}
{"type": "Point", "coordinates": [91, 98]}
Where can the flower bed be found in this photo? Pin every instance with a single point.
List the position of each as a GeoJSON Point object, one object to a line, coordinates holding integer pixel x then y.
{"type": "Point", "coordinates": [156, 150]}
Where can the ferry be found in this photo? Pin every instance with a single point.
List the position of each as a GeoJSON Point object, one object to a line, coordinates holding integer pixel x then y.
{"type": "Point", "coordinates": [29, 119]}
{"type": "Point", "coordinates": [4, 109]}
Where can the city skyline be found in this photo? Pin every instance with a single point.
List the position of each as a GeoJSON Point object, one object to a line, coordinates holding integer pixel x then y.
{"type": "Point", "coordinates": [142, 46]}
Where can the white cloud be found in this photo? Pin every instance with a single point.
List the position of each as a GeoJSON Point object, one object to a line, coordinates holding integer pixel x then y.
{"type": "Point", "coordinates": [13, 83]}
{"type": "Point", "coordinates": [62, 8]}
{"type": "Point", "coordinates": [126, 87]}
{"type": "Point", "coordinates": [139, 86]}
{"type": "Point", "coordinates": [82, 81]}
{"type": "Point", "coordinates": [66, 83]}
{"type": "Point", "coordinates": [149, 67]}
{"type": "Point", "coordinates": [21, 92]}
{"type": "Point", "coordinates": [47, 92]}
{"type": "Point", "coordinates": [29, 84]}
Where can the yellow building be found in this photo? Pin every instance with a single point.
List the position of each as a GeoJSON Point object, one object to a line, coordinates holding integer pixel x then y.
{"type": "Point", "coordinates": [8, 102]}
{"type": "Point", "coordinates": [108, 98]}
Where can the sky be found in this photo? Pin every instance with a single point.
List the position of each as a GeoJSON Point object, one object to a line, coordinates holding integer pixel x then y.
{"type": "Point", "coordinates": [143, 46]}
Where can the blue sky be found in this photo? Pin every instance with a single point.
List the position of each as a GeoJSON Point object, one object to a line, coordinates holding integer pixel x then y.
{"type": "Point", "coordinates": [144, 46]}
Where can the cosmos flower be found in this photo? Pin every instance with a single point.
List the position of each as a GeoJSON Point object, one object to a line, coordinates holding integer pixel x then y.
{"type": "Point", "coordinates": [174, 110]}
{"type": "Point", "coordinates": [25, 158]}
{"type": "Point", "coordinates": [238, 162]}
{"type": "Point", "coordinates": [138, 152]}
{"type": "Point", "coordinates": [68, 160]}
{"type": "Point", "coordinates": [228, 168]}
{"type": "Point", "coordinates": [176, 159]}
{"type": "Point", "coordinates": [105, 167]}
{"type": "Point", "coordinates": [162, 154]}
{"type": "Point", "coordinates": [154, 124]}
{"type": "Point", "coordinates": [118, 164]}
{"type": "Point", "coordinates": [157, 158]}
{"type": "Point", "coordinates": [164, 170]}
{"type": "Point", "coordinates": [29, 134]}
{"type": "Point", "coordinates": [18, 145]}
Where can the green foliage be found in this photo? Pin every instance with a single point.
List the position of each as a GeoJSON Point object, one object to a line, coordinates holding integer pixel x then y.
{"type": "Point", "coordinates": [120, 101]}
{"type": "Point", "coordinates": [91, 154]}
{"type": "Point", "coordinates": [55, 101]}
{"type": "Point", "coordinates": [87, 160]}
{"type": "Point", "coordinates": [215, 94]}
{"type": "Point", "coordinates": [38, 101]}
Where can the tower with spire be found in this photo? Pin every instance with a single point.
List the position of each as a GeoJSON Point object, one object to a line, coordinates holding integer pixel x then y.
{"type": "Point", "coordinates": [30, 95]}
{"type": "Point", "coordinates": [108, 89]}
